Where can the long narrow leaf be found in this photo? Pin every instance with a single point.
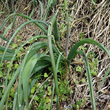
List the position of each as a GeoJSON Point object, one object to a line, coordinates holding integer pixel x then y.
{"type": "Point", "coordinates": [52, 56]}
{"type": "Point", "coordinates": [41, 5]}
{"type": "Point", "coordinates": [8, 50]}
{"type": "Point", "coordinates": [7, 91]}
{"type": "Point", "coordinates": [42, 36]}
{"type": "Point", "coordinates": [73, 50]}
{"type": "Point", "coordinates": [27, 17]}
{"type": "Point", "coordinates": [26, 58]}
{"type": "Point", "coordinates": [5, 39]}
{"type": "Point", "coordinates": [50, 5]}
{"type": "Point", "coordinates": [15, 101]}
{"type": "Point", "coordinates": [108, 71]}
{"type": "Point", "coordinates": [56, 32]}
{"type": "Point", "coordinates": [31, 21]}
{"type": "Point", "coordinates": [26, 74]}
{"type": "Point", "coordinates": [8, 56]}
{"type": "Point", "coordinates": [7, 29]}
{"type": "Point", "coordinates": [40, 65]}
{"type": "Point", "coordinates": [89, 80]}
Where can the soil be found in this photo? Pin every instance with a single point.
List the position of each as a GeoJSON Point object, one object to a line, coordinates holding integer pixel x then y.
{"type": "Point", "coordinates": [87, 18]}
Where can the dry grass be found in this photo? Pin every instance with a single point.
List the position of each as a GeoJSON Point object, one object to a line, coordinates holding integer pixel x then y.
{"type": "Point", "coordinates": [94, 24]}
{"type": "Point", "coordinates": [93, 21]}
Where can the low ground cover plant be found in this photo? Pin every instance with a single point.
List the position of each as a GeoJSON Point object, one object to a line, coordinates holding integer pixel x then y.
{"type": "Point", "coordinates": [22, 78]}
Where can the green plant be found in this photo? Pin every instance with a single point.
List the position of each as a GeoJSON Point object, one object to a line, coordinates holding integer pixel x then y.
{"type": "Point", "coordinates": [64, 90]}
{"type": "Point", "coordinates": [34, 62]}
{"type": "Point", "coordinates": [93, 62]}
{"type": "Point", "coordinates": [95, 1]}
{"type": "Point", "coordinates": [79, 103]}
{"type": "Point", "coordinates": [78, 69]}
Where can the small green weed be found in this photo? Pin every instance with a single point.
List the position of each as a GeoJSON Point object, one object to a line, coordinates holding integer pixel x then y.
{"type": "Point", "coordinates": [80, 103]}
{"type": "Point", "coordinates": [93, 62]}
{"type": "Point", "coordinates": [32, 66]}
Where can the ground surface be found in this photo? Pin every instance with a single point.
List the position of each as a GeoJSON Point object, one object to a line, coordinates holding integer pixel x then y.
{"type": "Point", "coordinates": [88, 20]}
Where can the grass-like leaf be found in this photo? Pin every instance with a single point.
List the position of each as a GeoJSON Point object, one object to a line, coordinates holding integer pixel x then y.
{"type": "Point", "coordinates": [2, 37]}
{"type": "Point", "coordinates": [52, 56]}
{"type": "Point", "coordinates": [41, 5]}
{"type": "Point", "coordinates": [27, 17]}
{"type": "Point", "coordinates": [89, 80]}
{"type": "Point", "coordinates": [73, 50]}
{"type": "Point", "coordinates": [73, 53]}
{"type": "Point", "coordinates": [7, 90]}
{"type": "Point", "coordinates": [8, 50]}
{"type": "Point", "coordinates": [108, 71]}
{"type": "Point", "coordinates": [50, 5]}
{"type": "Point", "coordinates": [56, 32]}
{"type": "Point", "coordinates": [7, 29]}
{"type": "Point", "coordinates": [26, 74]}
{"type": "Point", "coordinates": [8, 56]}
{"type": "Point", "coordinates": [31, 21]}
{"type": "Point", "coordinates": [20, 68]}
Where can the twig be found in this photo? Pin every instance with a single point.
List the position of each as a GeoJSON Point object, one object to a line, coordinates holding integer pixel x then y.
{"type": "Point", "coordinates": [38, 89]}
